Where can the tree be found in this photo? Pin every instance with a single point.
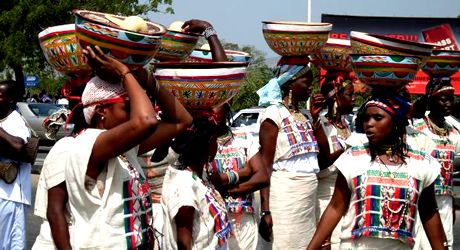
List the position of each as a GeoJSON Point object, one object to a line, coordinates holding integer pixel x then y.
{"type": "Point", "coordinates": [257, 75]}
{"type": "Point", "coordinates": [22, 20]}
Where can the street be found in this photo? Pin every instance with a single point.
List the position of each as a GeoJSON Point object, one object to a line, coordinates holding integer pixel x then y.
{"type": "Point", "coordinates": [33, 222]}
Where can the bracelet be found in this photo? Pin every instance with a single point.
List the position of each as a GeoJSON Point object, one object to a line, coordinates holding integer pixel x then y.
{"type": "Point", "coordinates": [123, 76]}
{"type": "Point", "coordinates": [209, 31]}
{"type": "Point", "coordinates": [265, 212]}
{"type": "Point", "coordinates": [233, 177]}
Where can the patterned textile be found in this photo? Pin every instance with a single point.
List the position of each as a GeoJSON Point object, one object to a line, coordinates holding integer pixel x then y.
{"type": "Point", "coordinates": [53, 122]}
{"type": "Point", "coordinates": [444, 152]}
{"type": "Point", "coordinates": [222, 226]}
{"type": "Point", "coordinates": [294, 137]}
{"type": "Point", "coordinates": [232, 155]}
{"type": "Point", "coordinates": [137, 208]}
{"type": "Point", "coordinates": [384, 197]}
{"type": "Point", "coordinates": [98, 91]}
{"type": "Point", "coordinates": [211, 227]}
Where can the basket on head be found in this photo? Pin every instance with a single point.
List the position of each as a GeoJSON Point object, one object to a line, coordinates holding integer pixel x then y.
{"type": "Point", "coordinates": [133, 48]}
{"type": "Point", "coordinates": [365, 43]}
{"type": "Point", "coordinates": [385, 70]}
{"type": "Point", "coordinates": [295, 38]}
{"type": "Point", "coordinates": [334, 55]}
{"type": "Point", "coordinates": [442, 63]}
{"type": "Point", "coordinates": [61, 50]}
{"type": "Point", "coordinates": [176, 46]}
{"type": "Point", "coordinates": [203, 55]}
{"type": "Point", "coordinates": [201, 85]}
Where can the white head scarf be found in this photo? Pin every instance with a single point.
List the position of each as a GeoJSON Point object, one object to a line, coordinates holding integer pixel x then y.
{"type": "Point", "coordinates": [98, 91]}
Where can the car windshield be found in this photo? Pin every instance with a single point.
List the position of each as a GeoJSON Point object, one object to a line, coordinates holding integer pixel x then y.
{"type": "Point", "coordinates": [42, 109]}
{"type": "Point", "coordinates": [245, 119]}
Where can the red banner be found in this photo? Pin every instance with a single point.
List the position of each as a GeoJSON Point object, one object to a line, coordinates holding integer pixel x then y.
{"type": "Point", "coordinates": [441, 35]}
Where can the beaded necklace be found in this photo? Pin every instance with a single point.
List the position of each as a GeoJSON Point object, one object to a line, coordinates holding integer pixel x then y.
{"type": "Point", "coordinates": [392, 211]}
{"type": "Point", "coordinates": [443, 132]}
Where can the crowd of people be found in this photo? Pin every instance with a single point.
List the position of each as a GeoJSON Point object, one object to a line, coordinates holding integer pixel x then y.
{"type": "Point", "coordinates": [311, 180]}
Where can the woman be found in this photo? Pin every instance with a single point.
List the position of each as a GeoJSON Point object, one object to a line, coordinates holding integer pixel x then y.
{"type": "Point", "coordinates": [289, 150]}
{"type": "Point", "coordinates": [338, 90]}
{"type": "Point", "coordinates": [108, 196]}
{"type": "Point", "coordinates": [439, 99]}
{"type": "Point", "coordinates": [379, 195]}
{"type": "Point", "coordinates": [194, 211]}
{"type": "Point", "coordinates": [240, 173]}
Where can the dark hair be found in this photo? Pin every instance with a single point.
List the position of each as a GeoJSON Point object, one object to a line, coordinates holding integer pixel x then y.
{"type": "Point", "coordinates": [192, 145]}
{"type": "Point", "coordinates": [423, 104]}
{"type": "Point", "coordinates": [11, 91]}
{"type": "Point", "coordinates": [400, 106]}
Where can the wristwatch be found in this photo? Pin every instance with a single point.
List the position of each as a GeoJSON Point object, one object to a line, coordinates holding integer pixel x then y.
{"type": "Point", "coordinates": [209, 31]}
{"type": "Point", "coordinates": [263, 213]}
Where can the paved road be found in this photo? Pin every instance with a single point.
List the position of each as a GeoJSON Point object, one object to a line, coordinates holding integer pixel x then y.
{"type": "Point", "coordinates": [33, 222]}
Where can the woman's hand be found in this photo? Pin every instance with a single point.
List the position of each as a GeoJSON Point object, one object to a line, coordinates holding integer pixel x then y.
{"type": "Point", "coordinates": [317, 103]}
{"type": "Point", "coordinates": [107, 68]}
{"type": "Point", "coordinates": [266, 227]}
{"type": "Point", "coordinates": [195, 26]}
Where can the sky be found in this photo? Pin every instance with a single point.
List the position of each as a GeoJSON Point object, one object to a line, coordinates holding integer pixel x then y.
{"type": "Point", "coordinates": [239, 21]}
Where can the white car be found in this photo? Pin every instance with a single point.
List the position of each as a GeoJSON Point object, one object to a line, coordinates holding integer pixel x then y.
{"type": "Point", "coordinates": [247, 120]}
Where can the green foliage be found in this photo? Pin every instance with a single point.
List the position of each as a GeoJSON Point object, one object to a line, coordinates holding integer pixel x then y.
{"type": "Point", "coordinates": [22, 20]}
{"type": "Point", "coordinates": [257, 75]}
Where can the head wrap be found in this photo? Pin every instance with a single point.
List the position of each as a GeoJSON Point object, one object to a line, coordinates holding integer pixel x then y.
{"type": "Point", "coordinates": [437, 85]}
{"type": "Point", "coordinates": [397, 106]}
{"type": "Point", "coordinates": [98, 91]}
{"type": "Point", "coordinates": [335, 81]}
{"type": "Point", "coordinates": [288, 69]}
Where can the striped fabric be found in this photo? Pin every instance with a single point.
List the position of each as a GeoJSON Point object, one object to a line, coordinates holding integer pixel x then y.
{"type": "Point", "coordinates": [232, 155]}
{"type": "Point", "coordinates": [137, 209]}
{"type": "Point", "coordinates": [444, 152]}
{"type": "Point", "coordinates": [384, 198]}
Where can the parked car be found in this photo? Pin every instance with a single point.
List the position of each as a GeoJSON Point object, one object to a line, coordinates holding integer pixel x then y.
{"type": "Point", "coordinates": [35, 114]}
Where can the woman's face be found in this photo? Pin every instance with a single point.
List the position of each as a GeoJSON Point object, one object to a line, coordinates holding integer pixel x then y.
{"type": "Point", "coordinates": [378, 125]}
{"type": "Point", "coordinates": [443, 103]}
{"type": "Point", "coordinates": [346, 100]}
{"type": "Point", "coordinates": [116, 114]}
{"type": "Point", "coordinates": [302, 87]}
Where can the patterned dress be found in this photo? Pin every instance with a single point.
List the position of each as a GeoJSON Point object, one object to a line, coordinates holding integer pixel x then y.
{"type": "Point", "coordinates": [444, 151]}
{"type": "Point", "coordinates": [232, 154]}
{"type": "Point", "coordinates": [384, 198]}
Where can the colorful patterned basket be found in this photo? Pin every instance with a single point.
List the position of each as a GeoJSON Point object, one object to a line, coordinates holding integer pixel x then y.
{"type": "Point", "coordinates": [442, 63]}
{"type": "Point", "coordinates": [176, 46]}
{"type": "Point", "coordinates": [364, 43]}
{"type": "Point", "coordinates": [61, 50]}
{"type": "Point", "coordinates": [201, 85]}
{"type": "Point", "coordinates": [201, 55]}
{"type": "Point", "coordinates": [295, 38]}
{"type": "Point", "coordinates": [334, 55]}
{"type": "Point", "coordinates": [385, 70]}
{"type": "Point", "coordinates": [133, 49]}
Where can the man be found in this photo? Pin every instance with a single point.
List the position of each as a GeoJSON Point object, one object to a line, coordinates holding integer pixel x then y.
{"type": "Point", "coordinates": [15, 190]}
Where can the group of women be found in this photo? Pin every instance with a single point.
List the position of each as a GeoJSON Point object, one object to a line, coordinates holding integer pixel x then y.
{"type": "Point", "coordinates": [313, 169]}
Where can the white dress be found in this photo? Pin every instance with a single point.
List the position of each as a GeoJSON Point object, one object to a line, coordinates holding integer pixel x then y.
{"type": "Point", "coordinates": [384, 198]}
{"type": "Point", "coordinates": [211, 228]}
{"type": "Point", "coordinates": [52, 174]}
{"type": "Point", "coordinates": [113, 211]}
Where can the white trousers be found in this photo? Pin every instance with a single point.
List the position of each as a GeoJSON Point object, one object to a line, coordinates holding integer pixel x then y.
{"type": "Point", "coordinates": [12, 225]}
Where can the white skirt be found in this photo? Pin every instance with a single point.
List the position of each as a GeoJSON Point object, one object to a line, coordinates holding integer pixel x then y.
{"type": "Point", "coordinates": [292, 204]}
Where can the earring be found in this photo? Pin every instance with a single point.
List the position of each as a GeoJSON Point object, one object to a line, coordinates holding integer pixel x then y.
{"type": "Point", "coordinates": [290, 99]}
{"type": "Point", "coordinates": [102, 118]}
